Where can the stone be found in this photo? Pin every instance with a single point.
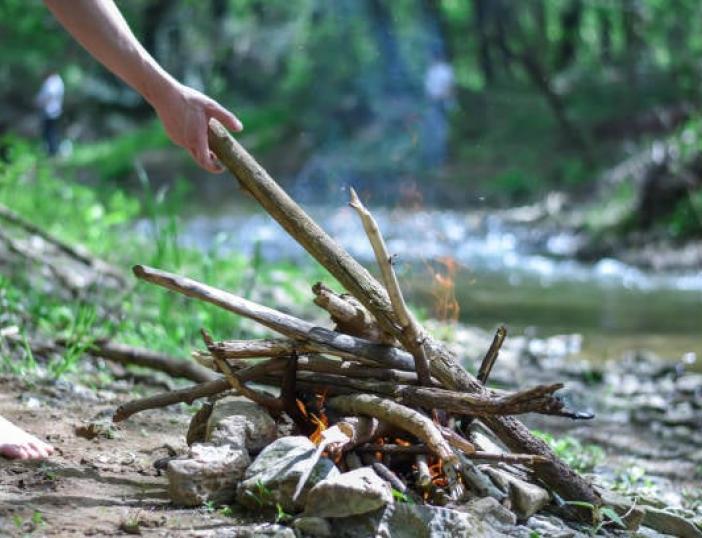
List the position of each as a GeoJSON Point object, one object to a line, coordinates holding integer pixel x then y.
{"type": "Point", "coordinates": [264, 530]}
{"type": "Point", "coordinates": [240, 423]}
{"type": "Point", "coordinates": [665, 521]}
{"type": "Point", "coordinates": [489, 509]}
{"type": "Point", "coordinates": [414, 521]}
{"type": "Point", "coordinates": [312, 526]}
{"type": "Point", "coordinates": [272, 478]}
{"type": "Point", "coordinates": [347, 494]}
{"type": "Point", "coordinates": [526, 498]}
{"type": "Point", "coordinates": [689, 383]}
{"type": "Point", "coordinates": [209, 473]}
{"type": "Point", "coordinates": [552, 527]}
{"type": "Point", "coordinates": [632, 514]}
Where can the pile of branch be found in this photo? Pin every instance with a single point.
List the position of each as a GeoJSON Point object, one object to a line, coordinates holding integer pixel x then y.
{"type": "Point", "coordinates": [382, 375]}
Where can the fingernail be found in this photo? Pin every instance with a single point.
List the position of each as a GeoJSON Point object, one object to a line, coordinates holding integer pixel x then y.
{"type": "Point", "coordinates": [239, 126]}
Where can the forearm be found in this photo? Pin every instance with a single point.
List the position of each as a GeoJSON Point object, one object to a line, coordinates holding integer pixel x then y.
{"type": "Point", "coordinates": [100, 27]}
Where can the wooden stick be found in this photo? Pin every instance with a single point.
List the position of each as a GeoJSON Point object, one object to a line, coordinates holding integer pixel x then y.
{"type": "Point", "coordinates": [146, 358]}
{"type": "Point", "coordinates": [412, 335]}
{"type": "Point", "coordinates": [350, 316]}
{"type": "Point", "coordinates": [445, 367]}
{"type": "Point", "coordinates": [327, 341]}
{"type": "Point", "coordinates": [423, 476]}
{"type": "Point", "coordinates": [187, 395]}
{"type": "Point", "coordinates": [274, 405]}
{"type": "Point", "coordinates": [253, 178]}
{"type": "Point", "coordinates": [491, 355]}
{"type": "Point", "coordinates": [399, 416]}
{"type": "Point", "coordinates": [537, 399]}
{"type": "Point", "coordinates": [289, 398]}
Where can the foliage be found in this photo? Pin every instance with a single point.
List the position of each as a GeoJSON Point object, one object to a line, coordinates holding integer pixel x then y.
{"type": "Point", "coordinates": [580, 456]}
{"type": "Point", "coordinates": [546, 90]}
{"type": "Point", "coordinates": [102, 219]}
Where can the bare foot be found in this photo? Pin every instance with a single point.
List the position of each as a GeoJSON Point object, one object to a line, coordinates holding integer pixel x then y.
{"type": "Point", "coordinates": [16, 443]}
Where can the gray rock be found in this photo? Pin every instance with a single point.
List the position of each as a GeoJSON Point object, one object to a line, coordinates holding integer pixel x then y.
{"type": "Point", "coordinates": [552, 527]}
{"type": "Point", "coordinates": [527, 499]}
{"type": "Point", "coordinates": [272, 477]}
{"type": "Point", "coordinates": [210, 473]}
{"type": "Point", "coordinates": [312, 526]}
{"type": "Point", "coordinates": [689, 383]}
{"type": "Point", "coordinates": [241, 423]}
{"type": "Point", "coordinates": [347, 494]}
{"type": "Point", "coordinates": [490, 510]}
{"type": "Point", "coordinates": [665, 521]}
{"type": "Point", "coordinates": [414, 521]}
{"type": "Point", "coordinates": [265, 530]}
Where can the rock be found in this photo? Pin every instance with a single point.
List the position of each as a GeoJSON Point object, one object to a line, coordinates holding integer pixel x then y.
{"type": "Point", "coordinates": [241, 423]}
{"type": "Point", "coordinates": [667, 522]}
{"type": "Point", "coordinates": [631, 514]}
{"type": "Point", "coordinates": [527, 499]}
{"type": "Point", "coordinates": [689, 383]}
{"type": "Point", "coordinates": [414, 521]}
{"type": "Point", "coordinates": [265, 530]}
{"type": "Point", "coordinates": [490, 510]}
{"type": "Point", "coordinates": [312, 526]}
{"type": "Point", "coordinates": [552, 527]}
{"type": "Point", "coordinates": [210, 473]}
{"type": "Point", "coordinates": [272, 477]}
{"type": "Point", "coordinates": [347, 494]}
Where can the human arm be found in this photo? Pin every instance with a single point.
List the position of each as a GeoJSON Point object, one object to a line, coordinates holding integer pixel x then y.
{"type": "Point", "coordinates": [99, 26]}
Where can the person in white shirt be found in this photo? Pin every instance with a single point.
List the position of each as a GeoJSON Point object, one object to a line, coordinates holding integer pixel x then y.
{"type": "Point", "coordinates": [50, 103]}
{"type": "Point", "coordinates": [99, 26]}
{"type": "Point", "coordinates": [439, 81]}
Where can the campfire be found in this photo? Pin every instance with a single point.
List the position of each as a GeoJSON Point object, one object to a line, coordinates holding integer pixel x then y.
{"type": "Point", "coordinates": [377, 391]}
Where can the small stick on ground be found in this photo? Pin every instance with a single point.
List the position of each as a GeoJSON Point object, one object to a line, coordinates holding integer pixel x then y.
{"type": "Point", "coordinates": [412, 336]}
{"type": "Point", "coordinates": [491, 355]}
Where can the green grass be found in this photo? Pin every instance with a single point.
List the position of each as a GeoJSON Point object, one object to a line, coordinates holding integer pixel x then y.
{"type": "Point", "coordinates": [101, 218]}
{"type": "Point", "coordinates": [582, 457]}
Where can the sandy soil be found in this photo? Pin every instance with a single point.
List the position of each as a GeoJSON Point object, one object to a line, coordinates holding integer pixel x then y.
{"type": "Point", "coordinates": [97, 487]}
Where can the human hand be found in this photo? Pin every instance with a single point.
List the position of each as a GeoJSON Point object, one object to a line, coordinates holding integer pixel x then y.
{"type": "Point", "coordinates": [185, 114]}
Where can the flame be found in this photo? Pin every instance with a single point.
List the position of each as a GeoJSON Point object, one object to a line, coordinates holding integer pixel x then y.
{"type": "Point", "coordinates": [322, 423]}
{"type": "Point", "coordinates": [436, 471]}
{"type": "Point", "coordinates": [444, 289]}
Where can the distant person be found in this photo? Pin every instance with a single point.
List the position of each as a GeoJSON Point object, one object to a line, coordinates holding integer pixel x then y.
{"type": "Point", "coordinates": [50, 103]}
{"type": "Point", "coordinates": [100, 27]}
{"type": "Point", "coordinates": [439, 83]}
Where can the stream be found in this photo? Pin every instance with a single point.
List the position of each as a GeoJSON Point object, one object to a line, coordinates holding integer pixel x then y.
{"type": "Point", "coordinates": [503, 272]}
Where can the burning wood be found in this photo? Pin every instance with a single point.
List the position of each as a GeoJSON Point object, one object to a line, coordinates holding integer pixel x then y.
{"type": "Point", "coordinates": [392, 389]}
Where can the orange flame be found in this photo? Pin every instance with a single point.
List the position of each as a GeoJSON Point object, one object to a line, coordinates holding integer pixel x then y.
{"type": "Point", "coordinates": [444, 289]}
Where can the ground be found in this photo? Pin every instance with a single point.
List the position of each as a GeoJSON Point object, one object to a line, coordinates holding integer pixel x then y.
{"type": "Point", "coordinates": [96, 487]}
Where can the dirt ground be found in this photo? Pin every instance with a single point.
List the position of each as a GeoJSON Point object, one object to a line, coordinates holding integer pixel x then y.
{"type": "Point", "coordinates": [98, 487]}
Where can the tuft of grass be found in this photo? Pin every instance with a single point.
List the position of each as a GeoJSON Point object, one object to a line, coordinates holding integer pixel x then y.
{"type": "Point", "coordinates": [582, 457]}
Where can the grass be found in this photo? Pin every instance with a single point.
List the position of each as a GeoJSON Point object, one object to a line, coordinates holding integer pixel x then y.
{"type": "Point", "coordinates": [101, 218]}
{"type": "Point", "coordinates": [582, 457]}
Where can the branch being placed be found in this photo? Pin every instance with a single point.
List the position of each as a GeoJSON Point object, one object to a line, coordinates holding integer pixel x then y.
{"type": "Point", "coordinates": [411, 334]}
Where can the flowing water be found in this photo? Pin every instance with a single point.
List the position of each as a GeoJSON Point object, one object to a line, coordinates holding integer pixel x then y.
{"type": "Point", "coordinates": [503, 273]}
